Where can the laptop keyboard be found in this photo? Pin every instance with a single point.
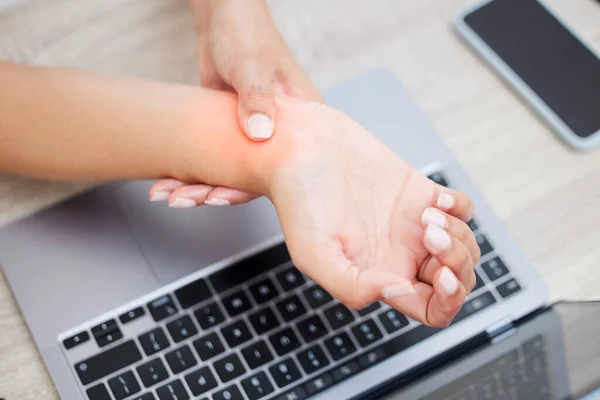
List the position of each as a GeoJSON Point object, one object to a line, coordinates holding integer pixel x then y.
{"type": "Point", "coordinates": [521, 373]}
{"type": "Point", "coordinates": [259, 329]}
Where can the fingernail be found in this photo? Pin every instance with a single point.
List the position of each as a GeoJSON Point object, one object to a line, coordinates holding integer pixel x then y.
{"type": "Point", "coordinates": [217, 202]}
{"type": "Point", "coordinates": [448, 281]}
{"type": "Point", "coordinates": [437, 238]}
{"type": "Point", "coordinates": [160, 196]}
{"type": "Point", "coordinates": [445, 201]}
{"type": "Point", "coordinates": [395, 291]}
{"type": "Point", "coordinates": [260, 126]}
{"type": "Point", "coordinates": [431, 216]}
{"type": "Point", "coordinates": [180, 202]}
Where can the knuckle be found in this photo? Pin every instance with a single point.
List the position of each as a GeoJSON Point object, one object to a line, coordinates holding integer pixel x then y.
{"type": "Point", "coordinates": [258, 93]}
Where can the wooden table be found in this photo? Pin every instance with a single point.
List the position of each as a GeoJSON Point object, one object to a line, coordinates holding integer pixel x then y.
{"type": "Point", "coordinates": [548, 195]}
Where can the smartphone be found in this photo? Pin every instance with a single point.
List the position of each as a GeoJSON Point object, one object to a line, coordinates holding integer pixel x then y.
{"type": "Point", "coordinates": [543, 59]}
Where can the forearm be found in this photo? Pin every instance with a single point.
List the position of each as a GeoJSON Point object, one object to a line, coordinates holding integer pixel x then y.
{"type": "Point", "coordinates": [70, 125]}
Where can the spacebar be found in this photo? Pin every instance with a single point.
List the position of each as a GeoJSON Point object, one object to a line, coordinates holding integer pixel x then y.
{"type": "Point", "coordinates": [107, 362]}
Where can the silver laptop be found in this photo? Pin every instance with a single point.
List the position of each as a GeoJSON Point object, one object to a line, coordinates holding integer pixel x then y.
{"type": "Point", "coordinates": [127, 299]}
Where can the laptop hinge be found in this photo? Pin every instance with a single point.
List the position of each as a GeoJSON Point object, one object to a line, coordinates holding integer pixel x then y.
{"type": "Point", "coordinates": [500, 330]}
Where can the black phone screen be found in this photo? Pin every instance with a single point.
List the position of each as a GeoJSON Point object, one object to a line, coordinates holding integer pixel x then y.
{"type": "Point", "coordinates": [563, 72]}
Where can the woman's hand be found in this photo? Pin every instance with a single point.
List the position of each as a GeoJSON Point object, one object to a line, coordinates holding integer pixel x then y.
{"type": "Point", "coordinates": [239, 49]}
{"type": "Point", "coordinates": [364, 224]}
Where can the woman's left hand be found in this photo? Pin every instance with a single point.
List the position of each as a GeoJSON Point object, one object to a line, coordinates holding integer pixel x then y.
{"type": "Point", "coordinates": [240, 50]}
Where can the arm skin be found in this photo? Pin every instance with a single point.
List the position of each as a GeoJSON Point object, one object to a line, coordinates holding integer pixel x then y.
{"type": "Point", "coordinates": [71, 125]}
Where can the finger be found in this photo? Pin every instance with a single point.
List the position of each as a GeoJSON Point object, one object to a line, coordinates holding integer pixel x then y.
{"type": "Point", "coordinates": [222, 196]}
{"type": "Point", "coordinates": [455, 227]}
{"type": "Point", "coordinates": [256, 108]}
{"type": "Point", "coordinates": [435, 305]}
{"type": "Point", "coordinates": [455, 203]}
{"type": "Point", "coordinates": [196, 195]}
{"type": "Point", "coordinates": [161, 190]}
{"type": "Point", "coordinates": [451, 252]}
{"type": "Point", "coordinates": [354, 286]}
{"type": "Point", "coordinates": [189, 196]}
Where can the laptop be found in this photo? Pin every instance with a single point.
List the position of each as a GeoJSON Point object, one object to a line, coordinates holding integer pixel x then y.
{"type": "Point", "coordinates": [128, 299]}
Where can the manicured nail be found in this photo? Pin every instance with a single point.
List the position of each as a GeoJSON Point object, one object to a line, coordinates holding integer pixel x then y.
{"type": "Point", "coordinates": [260, 126]}
{"type": "Point", "coordinates": [437, 238]}
{"type": "Point", "coordinates": [395, 291]}
{"type": "Point", "coordinates": [445, 201]}
{"type": "Point", "coordinates": [160, 196]}
{"type": "Point", "coordinates": [217, 202]}
{"type": "Point", "coordinates": [180, 202]}
{"type": "Point", "coordinates": [448, 281]}
{"type": "Point", "coordinates": [431, 216]}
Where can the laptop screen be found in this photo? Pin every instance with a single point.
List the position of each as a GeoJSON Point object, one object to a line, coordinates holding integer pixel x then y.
{"type": "Point", "coordinates": [554, 356]}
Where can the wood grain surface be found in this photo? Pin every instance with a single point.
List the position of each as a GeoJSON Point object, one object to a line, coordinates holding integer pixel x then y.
{"type": "Point", "coordinates": [548, 195]}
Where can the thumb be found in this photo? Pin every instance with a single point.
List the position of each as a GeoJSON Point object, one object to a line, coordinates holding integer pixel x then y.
{"type": "Point", "coordinates": [256, 107]}
{"type": "Point", "coordinates": [354, 286]}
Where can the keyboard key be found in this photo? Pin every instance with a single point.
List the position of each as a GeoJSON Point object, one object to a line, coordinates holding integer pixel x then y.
{"type": "Point", "coordinates": [236, 303]}
{"type": "Point", "coordinates": [236, 333]}
{"type": "Point", "coordinates": [152, 372]}
{"type": "Point", "coordinates": [474, 305]}
{"type": "Point", "coordinates": [162, 308]}
{"type": "Point", "coordinates": [369, 309]}
{"type": "Point", "coordinates": [494, 268]}
{"type": "Point", "coordinates": [181, 328]}
{"type": "Point", "coordinates": [209, 316]}
{"type": "Point", "coordinates": [345, 371]}
{"type": "Point", "coordinates": [181, 359]}
{"type": "Point", "coordinates": [257, 354]}
{"type": "Point", "coordinates": [201, 381]}
{"type": "Point", "coordinates": [340, 345]}
{"type": "Point", "coordinates": [154, 341]}
{"type": "Point", "coordinates": [193, 293]}
{"type": "Point", "coordinates": [483, 243]}
{"type": "Point", "coordinates": [98, 392]}
{"type": "Point", "coordinates": [290, 278]}
{"type": "Point", "coordinates": [338, 316]}
{"type": "Point", "coordinates": [284, 341]}
{"type": "Point", "coordinates": [312, 359]}
{"type": "Point", "coordinates": [311, 328]}
{"type": "Point", "coordinates": [229, 393]}
{"type": "Point", "coordinates": [319, 383]}
{"type": "Point", "coordinates": [172, 391]}
{"type": "Point", "coordinates": [145, 396]}
{"type": "Point", "coordinates": [249, 268]}
{"type": "Point", "coordinates": [132, 315]}
{"type": "Point", "coordinates": [229, 367]}
{"type": "Point", "coordinates": [264, 320]}
{"type": "Point", "coordinates": [257, 386]}
{"type": "Point", "coordinates": [438, 178]}
{"type": "Point", "coordinates": [285, 372]}
{"type": "Point", "coordinates": [473, 225]}
{"type": "Point", "coordinates": [508, 288]}
{"type": "Point", "coordinates": [76, 340]}
{"type": "Point", "coordinates": [291, 308]}
{"type": "Point", "coordinates": [367, 332]}
{"type": "Point", "coordinates": [124, 385]}
{"type": "Point", "coordinates": [107, 362]}
{"type": "Point", "coordinates": [373, 357]}
{"type": "Point", "coordinates": [105, 328]}
{"type": "Point", "coordinates": [106, 333]}
{"type": "Point", "coordinates": [209, 346]}
{"type": "Point", "coordinates": [393, 320]}
{"type": "Point", "coordinates": [478, 282]}
{"type": "Point", "coordinates": [264, 291]}
{"type": "Point", "coordinates": [297, 393]}
{"type": "Point", "coordinates": [109, 338]}
{"type": "Point", "coordinates": [316, 296]}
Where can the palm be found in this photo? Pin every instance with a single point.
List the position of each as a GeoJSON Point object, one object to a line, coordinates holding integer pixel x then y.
{"type": "Point", "coordinates": [352, 200]}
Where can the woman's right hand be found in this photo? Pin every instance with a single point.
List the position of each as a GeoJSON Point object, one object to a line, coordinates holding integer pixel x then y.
{"type": "Point", "coordinates": [239, 49]}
